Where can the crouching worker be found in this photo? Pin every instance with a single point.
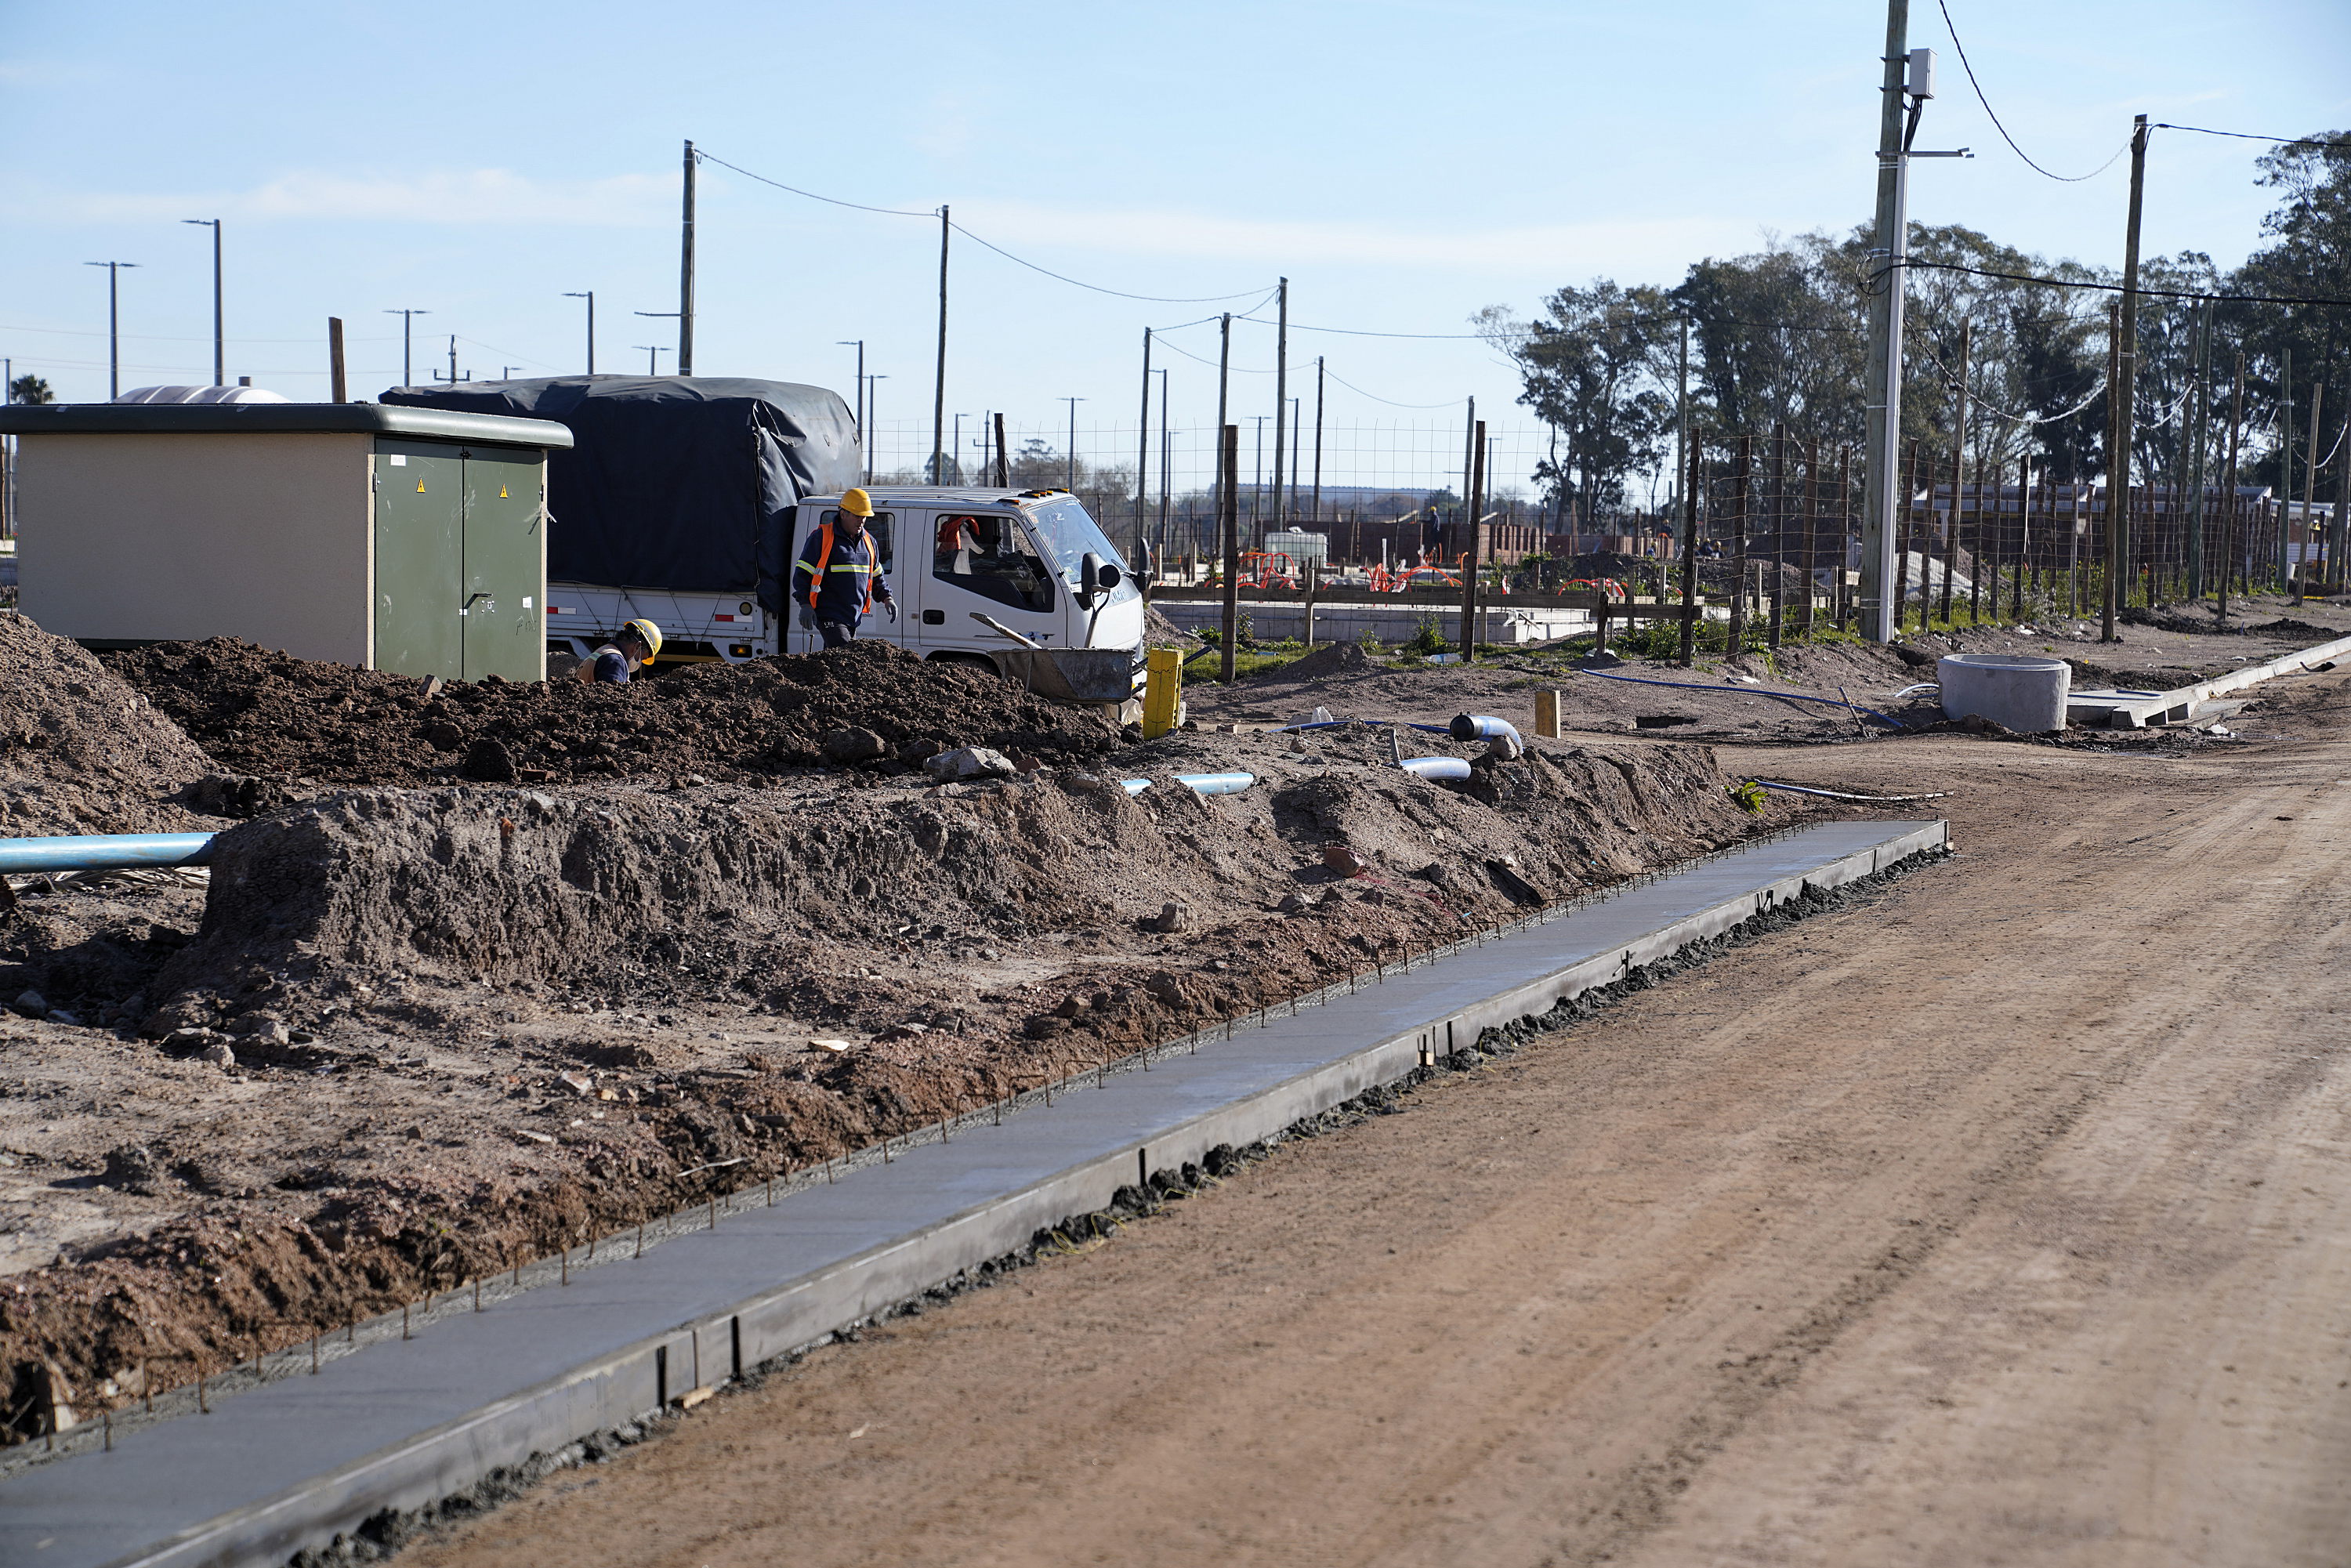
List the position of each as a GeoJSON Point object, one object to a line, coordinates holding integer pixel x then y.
{"type": "Point", "coordinates": [631, 649]}
{"type": "Point", "coordinates": [837, 578]}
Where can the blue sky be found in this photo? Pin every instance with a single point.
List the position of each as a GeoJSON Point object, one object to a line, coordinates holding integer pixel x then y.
{"type": "Point", "coordinates": [1405, 164]}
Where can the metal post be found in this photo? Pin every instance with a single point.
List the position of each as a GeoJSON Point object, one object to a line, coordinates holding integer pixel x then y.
{"type": "Point", "coordinates": [1142, 448]}
{"type": "Point", "coordinates": [338, 385]}
{"type": "Point", "coordinates": [1690, 542]}
{"type": "Point", "coordinates": [686, 272]}
{"type": "Point", "coordinates": [1281, 395]}
{"type": "Point", "coordinates": [220, 341]}
{"type": "Point", "coordinates": [1228, 520]}
{"type": "Point", "coordinates": [1471, 553]}
{"type": "Point", "coordinates": [939, 379]}
{"type": "Point", "coordinates": [590, 296]}
{"type": "Point", "coordinates": [113, 325]}
{"type": "Point", "coordinates": [1318, 439]}
{"type": "Point", "coordinates": [1879, 596]}
{"type": "Point", "coordinates": [2119, 395]}
{"type": "Point", "coordinates": [1071, 455]}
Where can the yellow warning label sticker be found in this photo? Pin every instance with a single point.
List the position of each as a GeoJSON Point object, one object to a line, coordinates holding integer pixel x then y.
{"type": "Point", "coordinates": [502, 492]}
{"type": "Point", "coordinates": [420, 486]}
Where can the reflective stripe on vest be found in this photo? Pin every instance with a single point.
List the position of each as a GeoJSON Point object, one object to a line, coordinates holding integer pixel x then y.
{"type": "Point", "coordinates": [824, 563]}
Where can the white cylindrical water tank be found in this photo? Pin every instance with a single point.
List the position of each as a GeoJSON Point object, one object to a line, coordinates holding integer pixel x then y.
{"type": "Point", "coordinates": [2016, 691]}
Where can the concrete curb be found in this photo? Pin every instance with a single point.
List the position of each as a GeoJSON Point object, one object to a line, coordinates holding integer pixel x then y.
{"type": "Point", "coordinates": [401, 1424]}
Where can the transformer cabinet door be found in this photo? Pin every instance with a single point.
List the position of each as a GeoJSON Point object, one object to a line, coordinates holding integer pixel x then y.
{"type": "Point", "coordinates": [418, 559]}
{"type": "Point", "coordinates": [503, 611]}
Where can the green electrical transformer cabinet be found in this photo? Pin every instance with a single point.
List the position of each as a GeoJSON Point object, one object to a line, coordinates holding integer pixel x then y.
{"type": "Point", "coordinates": [406, 539]}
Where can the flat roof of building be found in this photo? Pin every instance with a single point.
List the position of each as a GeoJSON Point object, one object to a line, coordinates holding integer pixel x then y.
{"type": "Point", "coordinates": [276, 419]}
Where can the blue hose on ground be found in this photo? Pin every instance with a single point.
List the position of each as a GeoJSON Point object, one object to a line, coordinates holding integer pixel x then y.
{"type": "Point", "coordinates": [102, 851]}
{"type": "Point", "coordinates": [1751, 691]}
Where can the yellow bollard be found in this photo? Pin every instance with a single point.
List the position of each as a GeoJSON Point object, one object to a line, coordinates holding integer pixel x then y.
{"type": "Point", "coordinates": [1163, 691]}
{"type": "Point", "coordinates": [1547, 715]}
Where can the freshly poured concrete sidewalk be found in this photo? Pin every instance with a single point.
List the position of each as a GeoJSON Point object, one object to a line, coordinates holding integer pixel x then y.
{"type": "Point", "coordinates": [402, 1423]}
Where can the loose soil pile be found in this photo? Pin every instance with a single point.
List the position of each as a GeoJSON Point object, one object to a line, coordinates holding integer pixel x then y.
{"type": "Point", "coordinates": [470, 1024]}
{"type": "Point", "coordinates": [81, 752]}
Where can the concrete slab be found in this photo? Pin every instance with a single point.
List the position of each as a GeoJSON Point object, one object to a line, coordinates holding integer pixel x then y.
{"type": "Point", "coordinates": [2120, 707]}
{"type": "Point", "coordinates": [402, 1423]}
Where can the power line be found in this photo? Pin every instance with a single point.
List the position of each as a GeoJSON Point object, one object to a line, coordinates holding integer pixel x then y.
{"type": "Point", "coordinates": [2110, 287]}
{"type": "Point", "coordinates": [2252, 136]}
{"type": "Point", "coordinates": [1996, 125]}
{"type": "Point", "coordinates": [991, 245]}
{"type": "Point", "coordinates": [1392, 403]}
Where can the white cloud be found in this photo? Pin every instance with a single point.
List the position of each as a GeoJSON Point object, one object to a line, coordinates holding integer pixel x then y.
{"type": "Point", "coordinates": [475, 196]}
{"type": "Point", "coordinates": [1629, 245]}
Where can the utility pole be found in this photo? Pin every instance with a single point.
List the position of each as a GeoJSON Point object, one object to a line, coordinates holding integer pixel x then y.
{"type": "Point", "coordinates": [1958, 476]}
{"type": "Point", "coordinates": [1904, 96]}
{"type": "Point", "coordinates": [1143, 447]}
{"type": "Point", "coordinates": [859, 344]}
{"type": "Point", "coordinates": [1071, 455]}
{"type": "Point", "coordinates": [1469, 551]}
{"type": "Point", "coordinates": [407, 326]}
{"type": "Point", "coordinates": [1682, 416]}
{"type": "Point", "coordinates": [939, 377]}
{"type": "Point", "coordinates": [1280, 391]}
{"type": "Point", "coordinates": [1224, 387]}
{"type": "Point", "coordinates": [113, 325]}
{"type": "Point", "coordinates": [2196, 433]}
{"type": "Point", "coordinates": [1228, 520]}
{"type": "Point", "coordinates": [1318, 438]}
{"type": "Point", "coordinates": [2285, 461]}
{"type": "Point", "coordinates": [337, 388]}
{"type": "Point", "coordinates": [2229, 506]}
{"type": "Point", "coordinates": [589, 296]}
{"type": "Point", "coordinates": [652, 358]}
{"type": "Point", "coordinates": [686, 272]}
{"type": "Point", "coordinates": [2118, 396]}
{"type": "Point", "coordinates": [220, 343]}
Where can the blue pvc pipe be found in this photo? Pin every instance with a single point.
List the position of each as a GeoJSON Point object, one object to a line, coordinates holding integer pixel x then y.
{"type": "Point", "coordinates": [1134, 786]}
{"type": "Point", "coordinates": [102, 851]}
{"type": "Point", "coordinates": [1469, 726]}
{"type": "Point", "coordinates": [1435, 766]}
{"type": "Point", "coordinates": [1217, 783]}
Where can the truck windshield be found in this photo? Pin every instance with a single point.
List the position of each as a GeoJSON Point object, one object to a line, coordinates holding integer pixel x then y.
{"type": "Point", "coordinates": [1062, 527]}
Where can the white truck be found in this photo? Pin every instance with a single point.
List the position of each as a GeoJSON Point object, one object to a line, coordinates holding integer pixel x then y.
{"type": "Point", "coordinates": [1023, 580]}
{"type": "Point", "coordinates": [686, 500]}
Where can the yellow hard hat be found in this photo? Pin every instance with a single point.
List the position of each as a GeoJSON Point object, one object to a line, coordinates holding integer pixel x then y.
{"type": "Point", "coordinates": [648, 634]}
{"type": "Point", "coordinates": [856, 503]}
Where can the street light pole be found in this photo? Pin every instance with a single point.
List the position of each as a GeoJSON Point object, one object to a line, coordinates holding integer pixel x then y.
{"type": "Point", "coordinates": [590, 296]}
{"type": "Point", "coordinates": [113, 326]}
{"type": "Point", "coordinates": [860, 413]}
{"type": "Point", "coordinates": [652, 356]}
{"type": "Point", "coordinates": [220, 345]}
{"type": "Point", "coordinates": [1073, 402]}
{"type": "Point", "coordinates": [407, 320]}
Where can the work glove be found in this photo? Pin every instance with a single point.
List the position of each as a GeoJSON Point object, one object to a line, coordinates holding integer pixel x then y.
{"type": "Point", "coordinates": [892, 606]}
{"type": "Point", "coordinates": [807, 619]}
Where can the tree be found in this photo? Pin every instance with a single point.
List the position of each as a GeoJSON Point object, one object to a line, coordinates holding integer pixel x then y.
{"type": "Point", "coordinates": [2309, 258]}
{"type": "Point", "coordinates": [30, 389]}
{"type": "Point", "coordinates": [1590, 369]}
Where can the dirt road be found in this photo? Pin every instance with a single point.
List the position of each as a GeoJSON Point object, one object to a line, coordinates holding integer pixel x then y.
{"type": "Point", "coordinates": [2001, 1220]}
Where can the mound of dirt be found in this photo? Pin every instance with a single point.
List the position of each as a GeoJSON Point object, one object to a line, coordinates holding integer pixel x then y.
{"type": "Point", "coordinates": [257, 711]}
{"type": "Point", "coordinates": [1158, 631]}
{"type": "Point", "coordinates": [81, 752]}
{"type": "Point", "coordinates": [1331, 661]}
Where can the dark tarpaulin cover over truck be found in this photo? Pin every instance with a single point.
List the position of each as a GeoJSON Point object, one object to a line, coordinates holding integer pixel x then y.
{"type": "Point", "coordinates": [673, 482]}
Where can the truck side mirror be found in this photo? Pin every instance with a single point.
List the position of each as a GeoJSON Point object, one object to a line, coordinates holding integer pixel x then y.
{"type": "Point", "coordinates": [1107, 577]}
{"type": "Point", "coordinates": [1091, 568]}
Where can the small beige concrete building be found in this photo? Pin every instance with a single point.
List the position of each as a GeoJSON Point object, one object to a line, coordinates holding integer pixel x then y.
{"type": "Point", "coordinates": [408, 539]}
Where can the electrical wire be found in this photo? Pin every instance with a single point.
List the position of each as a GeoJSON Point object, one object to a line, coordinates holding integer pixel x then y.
{"type": "Point", "coordinates": [1979, 401]}
{"type": "Point", "coordinates": [975, 239]}
{"type": "Point", "coordinates": [1996, 125]}
{"type": "Point", "coordinates": [1392, 403]}
{"type": "Point", "coordinates": [2106, 288]}
{"type": "Point", "coordinates": [2250, 135]}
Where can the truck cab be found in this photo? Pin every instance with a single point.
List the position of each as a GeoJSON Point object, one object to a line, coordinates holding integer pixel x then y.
{"type": "Point", "coordinates": [968, 566]}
